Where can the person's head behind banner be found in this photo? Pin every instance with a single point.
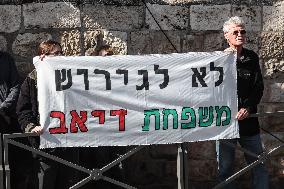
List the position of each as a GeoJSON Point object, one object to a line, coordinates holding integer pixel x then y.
{"type": "Point", "coordinates": [234, 31]}
{"type": "Point", "coordinates": [49, 48]}
{"type": "Point", "coordinates": [105, 50]}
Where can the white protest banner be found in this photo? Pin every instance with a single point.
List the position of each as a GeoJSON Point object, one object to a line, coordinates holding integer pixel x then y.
{"type": "Point", "coordinates": [137, 100]}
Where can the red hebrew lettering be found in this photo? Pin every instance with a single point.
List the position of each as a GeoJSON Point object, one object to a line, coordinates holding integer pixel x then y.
{"type": "Point", "coordinates": [80, 121]}
{"type": "Point", "coordinates": [121, 113]}
{"type": "Point", "coordinates": [58, 130]}
{"type": "Point", "coordinates": [100, 114]}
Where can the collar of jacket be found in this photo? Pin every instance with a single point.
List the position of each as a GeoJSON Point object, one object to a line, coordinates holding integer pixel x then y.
{"type": "Point", "coordinates": [32, 75]}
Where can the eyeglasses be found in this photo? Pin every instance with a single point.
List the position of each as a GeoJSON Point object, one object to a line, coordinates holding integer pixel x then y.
{"type": "Point", "coordinates": [242, 32]}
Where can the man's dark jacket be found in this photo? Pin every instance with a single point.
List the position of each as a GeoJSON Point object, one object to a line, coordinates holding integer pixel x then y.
{"type": "Point", "coordinates": [250, 90]}
{"type": "Point", "coordinates": [27, 107]}
{"type": "Point", "coordinates": [9, 92]}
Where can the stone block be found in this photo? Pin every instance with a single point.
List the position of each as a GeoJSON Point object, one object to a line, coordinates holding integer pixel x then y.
{"type": "Point", "coordinates": [214, 42]}
{"type": "Point", "coordinates": [168, 151]}
{"type": "Point", "coordinates": [140, 43]}
{"type": "Point", "coordinates": [148, 172]}
{"type": "Point", "coordinates": [91, 40]}
{"type": "Point", "coordinates": [10, 18]}
{"type": "Point", "coordinates": [170, 168]}
{"type": "Point", "coordinates": [202, 150]}
{"type": "Point", "coordinates": [154, 42]}
{"type": "Point", "coordinates": [114, 2]}
{"type": "Point", "coordinates": [168, 17]}
{"type": "Point", "coordinates": [274, 164]}
{"type": "Point", "coordinates": [70, 42]}
{"type": "Point", "coordinates": [169, 185]}
{"type": "Point", "coordinates": [24, 68]}
{"type": "Point", "coordinates": [251, 16]}
{"type": "Point", "coordinates": [273, 92]}
{"type": "Point", "coordinates": [201, 184]}
{"type": "Point", "coordinates": [161, 45]}
{"type": "Point", "coordinates": [270, 143]}
{"type": "Point", "coordinates": [26, 45]}
{"type": "Point", "coordinates": [272, 123]}
{"type": "Point", "coordinates": [272, 45]}
{"type": "Point", "coordinates": [198, 42]}
{"type": "Point", "coordinates": [273, 17]}
{"type": "Point", "coordinates": [273, 68]}
{"type": "Point", "coordinates": [209, 17]}
{"type": "Point", "coordinates": [202, 170]}
{"type": "Point", "coordinates": [193, 42]}
{"type": "Point", "coordinates": [187, 2]}
{"type": "Point", "coordinates": [117, 40]}
{"type": "Point", "coordinates": [3, 43]}
{"type": "Point", "coordinates": [277, 182]}
{"type": "Point", "coordinates": [112, 17]}
{"type": "Point", "coordinates": [248, 3]}
{"type": "Point", "coordinates": [252, 41]}
{"type": "Point", "coordinates": [51, 15]}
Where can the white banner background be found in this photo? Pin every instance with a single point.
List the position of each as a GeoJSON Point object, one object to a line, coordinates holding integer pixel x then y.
{"type": "Point", "coordinates": [179, 93]}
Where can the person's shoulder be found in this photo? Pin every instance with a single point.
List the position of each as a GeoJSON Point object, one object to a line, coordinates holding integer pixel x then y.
{"type": "Point", "coordinates": [32, 75]}
{"type": "Point", "coordinates": [6, 57]}
{"type": "Point", "coordinates": [250, 52]}
{"type": "Point", "coordinates": [4, 54]}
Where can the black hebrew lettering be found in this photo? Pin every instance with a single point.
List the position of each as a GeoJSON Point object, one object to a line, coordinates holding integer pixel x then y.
{"type": "Point", "coordinates": [199, 76]}
{"type": "Point", "coordinates": [221, 73]}
{"type": "Point", "coordinates": [60, 77]}
{"type": "Point", "coordinates": [107, 77]}
{"type": "Point", "coordinates": [165, 72]}
{"type": "Point", "coordinates": [85, 73]}
{"type": "Point", "coordinates": [125, 73]}
{"type": "Point", "coordinates": [145, 80]}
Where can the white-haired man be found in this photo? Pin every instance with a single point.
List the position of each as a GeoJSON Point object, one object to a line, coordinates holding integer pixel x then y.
{"type": "Point", "coordinates": [250, 89]}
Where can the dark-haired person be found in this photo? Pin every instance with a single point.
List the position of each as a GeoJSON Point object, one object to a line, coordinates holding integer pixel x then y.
{"type": "Point", "coordinates": [9, 92]}
{"type": "Point", "coordinates": [250, 89]}
{"type": "Point", "coordinates": [104, 50]}
{"type": "Point", "coordinates": [51, 174]}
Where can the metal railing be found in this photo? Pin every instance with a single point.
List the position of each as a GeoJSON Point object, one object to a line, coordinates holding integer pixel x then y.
{"type": "Point", "coordinates": [260, 158]}
{"type": "Point", "coordinates": [94, 174]}
{"type": "Point", "coordinates": [98, 174]}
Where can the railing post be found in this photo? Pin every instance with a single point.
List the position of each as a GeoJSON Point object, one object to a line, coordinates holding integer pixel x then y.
{"type": "Point", "coordinates": [182, 167]}
{"type": "Point", "coordinates": [6, 162]}
{"type": "Point", "coordinates": [2, 168]}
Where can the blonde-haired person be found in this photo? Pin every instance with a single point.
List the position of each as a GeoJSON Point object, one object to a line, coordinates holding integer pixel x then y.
{"type": "Point", "coordinates": [250, 90]}
{"type": "Point", "coordinates": [51, 174]}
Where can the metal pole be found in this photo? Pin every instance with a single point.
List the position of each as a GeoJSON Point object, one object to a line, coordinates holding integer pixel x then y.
{"type": "Point", "coordinates": [2, 168]}
{"type": "Point", "coordinates": [6, 163]}
{"type": "Point", "coordinates": [182, 167]}
{"type": "Point", "coordinates": [262, 158]}
{"type": "Point", "coordinates": [185, 165]}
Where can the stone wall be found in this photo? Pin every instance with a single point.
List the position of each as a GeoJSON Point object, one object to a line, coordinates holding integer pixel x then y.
{"type": "Point", "coordinates": [127, 25]}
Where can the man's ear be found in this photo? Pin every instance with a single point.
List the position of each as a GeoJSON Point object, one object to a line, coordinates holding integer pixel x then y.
{"type": "Point", "coordinates": [226, 35]}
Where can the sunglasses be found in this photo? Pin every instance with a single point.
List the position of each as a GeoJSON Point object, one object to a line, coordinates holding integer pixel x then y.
{"type": "Point", "coordinates": [242, 32]}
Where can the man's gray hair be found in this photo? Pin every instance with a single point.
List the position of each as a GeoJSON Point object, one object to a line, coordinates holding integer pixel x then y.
{"type": "Point", "coordinates": [233, 20]}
